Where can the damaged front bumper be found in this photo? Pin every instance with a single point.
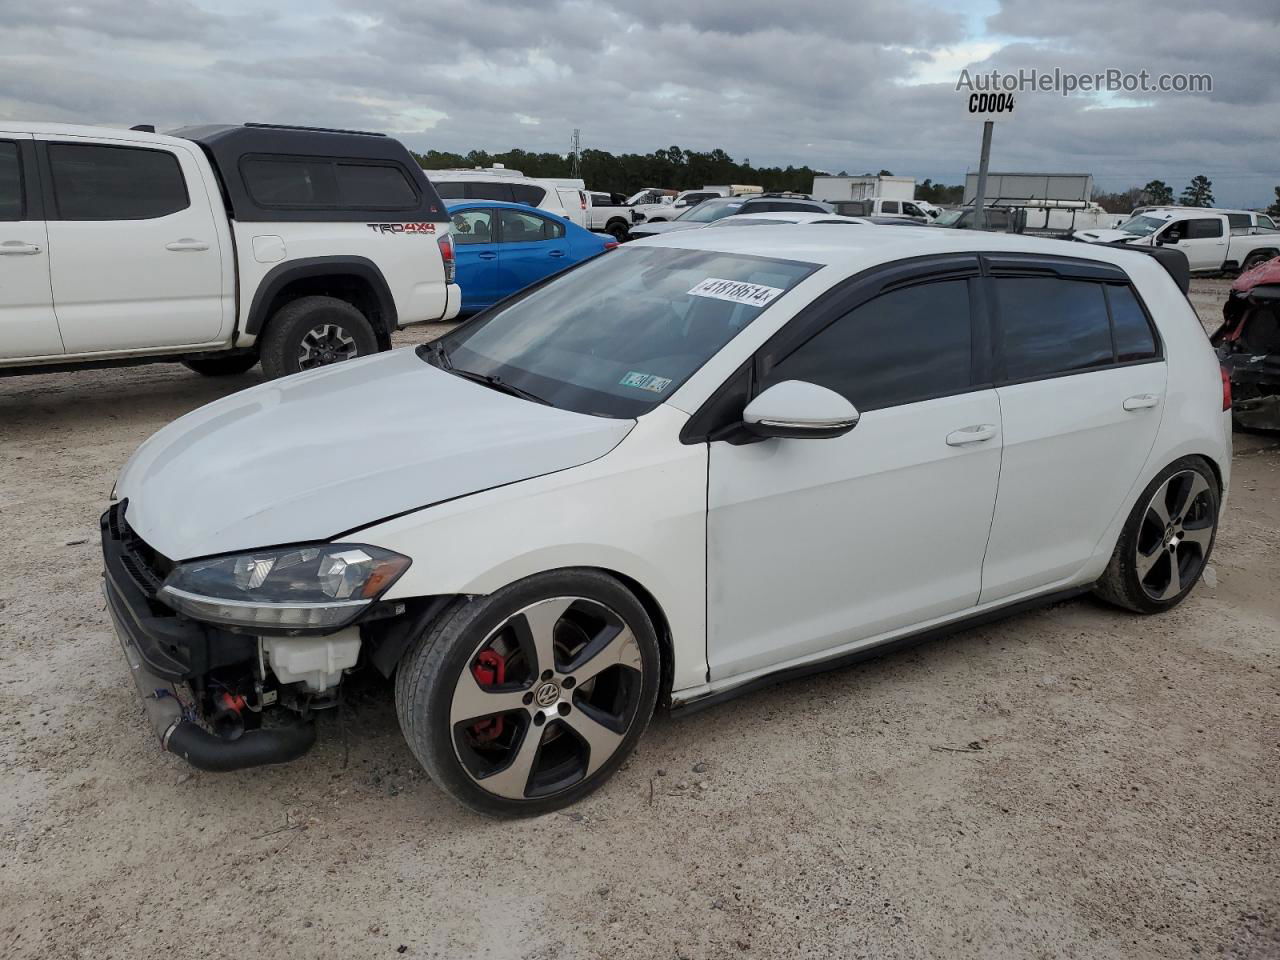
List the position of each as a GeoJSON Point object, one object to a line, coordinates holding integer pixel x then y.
{"type": "Point", "coordinates": [176, 664]}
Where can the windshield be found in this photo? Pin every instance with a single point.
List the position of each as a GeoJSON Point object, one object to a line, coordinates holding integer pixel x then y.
{"type": "Point", "coordinates": [619, 334]}
{"type": "Point", "coordinates": [1142, 226]}
{"type": "Point", "coordinates": [710, 210]}
{"type": "Point", "coordinates": [949, 218]}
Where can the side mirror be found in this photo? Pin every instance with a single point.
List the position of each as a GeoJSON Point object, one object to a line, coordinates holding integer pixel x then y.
{"type": "Point", "coordinates": [799, 410]}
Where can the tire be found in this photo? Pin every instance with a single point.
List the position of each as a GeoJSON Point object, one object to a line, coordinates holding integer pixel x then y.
{"type": "Point", "coordinates": [618, 230]}
{"type": "Point", "coordinates": [1171, 528]}
{"type": "Point", "coordinates": [1254, 259]}
{"type": "Point", "coordinates": [313, 332]}
{"type": "Point", "coordinates": [487, 761]}
{"type": "Point", "coordinates": [222, 366]}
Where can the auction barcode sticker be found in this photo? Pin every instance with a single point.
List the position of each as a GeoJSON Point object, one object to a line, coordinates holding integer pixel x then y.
{"type": "Point", "coordinates": [737, 291]}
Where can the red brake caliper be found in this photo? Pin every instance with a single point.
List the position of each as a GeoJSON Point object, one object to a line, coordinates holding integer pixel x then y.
{"type": "Point", "coordinates": [489, 670]}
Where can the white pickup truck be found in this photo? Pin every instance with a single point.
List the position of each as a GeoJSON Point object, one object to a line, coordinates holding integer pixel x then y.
{"type": "Point", "coordinates": [1209, 238]}
{"type": "Point", "coordinates": [608, 213]}
{"type": "Point", "coordinates": [216, 246]}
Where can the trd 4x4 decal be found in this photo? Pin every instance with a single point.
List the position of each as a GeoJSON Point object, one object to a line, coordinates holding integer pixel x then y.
{"type": "Point", "coordinates": [402, 227]}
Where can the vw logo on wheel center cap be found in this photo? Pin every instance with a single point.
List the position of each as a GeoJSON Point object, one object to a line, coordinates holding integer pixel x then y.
{"type": "Point", "coordinates": [547, 694]}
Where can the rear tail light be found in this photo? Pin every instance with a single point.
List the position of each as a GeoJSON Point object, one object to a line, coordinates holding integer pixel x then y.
{"type": "Point", "coordinates": [582, 198]}
{"type": "Point", "coordinates": [445, 242]}
{"type": "Point", "coordinates": [611, 244]}
{"type": "Point", "coordinates": [1226, 389]}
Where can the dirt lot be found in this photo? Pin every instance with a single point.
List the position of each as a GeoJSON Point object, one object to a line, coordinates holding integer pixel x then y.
{"type": "Point", "coordinates": [1112, 791]}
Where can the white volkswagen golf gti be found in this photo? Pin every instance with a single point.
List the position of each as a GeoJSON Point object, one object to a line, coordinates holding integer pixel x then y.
{"type": "Point", "coordinates": [667, 476]}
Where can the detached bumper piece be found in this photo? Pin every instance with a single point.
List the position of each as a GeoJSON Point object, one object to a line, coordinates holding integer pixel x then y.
{"type": "Point", "coordinates": [168, 654]}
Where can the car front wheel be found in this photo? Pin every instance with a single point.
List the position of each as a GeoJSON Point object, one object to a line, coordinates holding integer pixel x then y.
{"type": "Point", "coordinates": [523, 701]}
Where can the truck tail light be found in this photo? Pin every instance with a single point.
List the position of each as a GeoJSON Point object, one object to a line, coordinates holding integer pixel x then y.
{"type": "Point", "coordinates": [1226, 389]}
{"type": "Point", "coordinates": [582, 198]}
{"type": "Point", "coordinates": [445, 242]}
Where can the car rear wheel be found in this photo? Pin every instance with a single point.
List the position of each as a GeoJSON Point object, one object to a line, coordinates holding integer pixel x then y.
{"type": "Point", "coordinates": [526, 700]}
{"type": "Point", "coordinates": [1167, 540]}
{"type": "Point", "coordinates": [313, 332]}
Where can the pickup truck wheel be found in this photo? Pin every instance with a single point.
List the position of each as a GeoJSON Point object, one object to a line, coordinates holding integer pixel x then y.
{"type": "Point", "coordinates": [618, 230]}
{"type": "Point", "coordinates": [523, 701]}
{"type": "Point", "coordinates": [1251, 261]}
{"type": "Point", "coordinates": [313, 332]}
{"type": "Point", "coordinates": [222, 366]}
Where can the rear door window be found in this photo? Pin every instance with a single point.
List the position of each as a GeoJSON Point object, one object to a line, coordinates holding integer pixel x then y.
{"type": "Point", "coordinates": [1203, 228]}
{"type": "Point", "coordinates": [890, 206]}
{"type": "Point", "coordinates": [450, 189]}
{"type": "Point", "coordinates": [520, 227]}
{"type": "Point", "coordinates": [1134, 338]}
{"type": "Point", "coordinates": [11, 204]}
{"type": "Point", "coordinates": [1050, 326]}
{"type": "Point", "coordinates": [901, 347]}
{"type": "Point", "coordinates": [529, 194]}
{"type": "Point", "coordinates": [100, 182]}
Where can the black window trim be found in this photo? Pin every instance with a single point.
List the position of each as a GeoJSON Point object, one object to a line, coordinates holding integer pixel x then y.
{"type": "Point", "coordinates": [717, 418]}
{"type": "Point", "coordinates": [334, 161]}
{"type": "Point", "coordinates": [49, 193]}
{"type": "Point", "coordinates": [28, 193]}
{"type": "Point", "coordinates": [996, 265]}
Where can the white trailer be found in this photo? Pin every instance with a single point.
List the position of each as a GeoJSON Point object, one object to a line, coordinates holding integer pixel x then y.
{"type": "Point", "coordinates": [864, 188]}
{"type": "Point", "coordinates": [1019, 189]}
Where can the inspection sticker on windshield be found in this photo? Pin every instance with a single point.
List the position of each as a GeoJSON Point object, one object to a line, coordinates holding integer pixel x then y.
{"type": "Point", "coordinates": [645, 381]}
{"type": "Point", "coordinates": [737, 291]}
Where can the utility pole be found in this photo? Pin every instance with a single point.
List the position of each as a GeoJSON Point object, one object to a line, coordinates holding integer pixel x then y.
{"type": "Point", "coordinates": [980, 200]}
{"type": "Point", "coordinates": [577, 153]}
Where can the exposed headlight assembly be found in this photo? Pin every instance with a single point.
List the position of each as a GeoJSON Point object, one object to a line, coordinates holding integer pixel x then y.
{"type": "Point", "coordinates": [312, 587]}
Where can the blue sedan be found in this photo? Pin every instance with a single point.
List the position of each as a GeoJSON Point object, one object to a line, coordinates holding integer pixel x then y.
{"type": "Point", "coordinates": [504, 247]}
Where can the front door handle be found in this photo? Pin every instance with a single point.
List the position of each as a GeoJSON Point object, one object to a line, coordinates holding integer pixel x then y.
{"type": "Point", "coordinates": [487, 255]}
{"type": "Point", "coordinates": [974, 434]}
{"type": "Point", "coordinates": [18, 248]}
{"type": "Point", "coordinates": [556, 253]}
{"type": "Point", "coordinates": [186, 243]}
{"type": "Point", "coordinates": [1143, 401]}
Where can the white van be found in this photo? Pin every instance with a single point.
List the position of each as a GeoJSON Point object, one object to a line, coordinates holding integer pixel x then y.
{"type": "Point", "coordinates": [564, 197]}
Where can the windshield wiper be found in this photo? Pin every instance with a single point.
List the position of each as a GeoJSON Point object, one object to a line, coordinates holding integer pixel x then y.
{"type": "Point", "coordinates": [437, 350]}
{"type": "Point", "coordinates": [495, 383]}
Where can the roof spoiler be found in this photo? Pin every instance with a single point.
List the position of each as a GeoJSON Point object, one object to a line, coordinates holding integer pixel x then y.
{"type": "Point", "coordinates": [1174, 262]}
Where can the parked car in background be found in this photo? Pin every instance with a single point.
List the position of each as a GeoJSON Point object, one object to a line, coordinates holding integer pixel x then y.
{"type": "Point", "coordinates": [995, 219]}
{"type": "Point", "coordinates": [687, 199]}
{"type": "Point", "coordinates": [505, 247]}
{"type": "Point", "coordinates": [881, 207]}
{"type": "Point", "coordinates": [564, 198]}
{"type": "Point", "coordinates": [711, 210]}
{"type": "Point", "coordinates": [216, 246]}
{"type": "Point", "coordinates": [1205, 236]}
{"type": "Point", "coordinates": [667, 477]}
{"type": "Point", "coordinates": [609, 213]}
{"type": "Point", "coordinates": [650, 195]}
{"type": "Point", "coordinates": [1248, 344]}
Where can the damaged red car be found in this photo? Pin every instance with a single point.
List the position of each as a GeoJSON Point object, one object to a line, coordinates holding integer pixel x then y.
{"type": "Point", "coordinates": [1248, 345]}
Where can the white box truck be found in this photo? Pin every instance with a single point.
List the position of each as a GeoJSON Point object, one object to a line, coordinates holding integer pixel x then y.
{"type": "Point", "coordinates": [864, 188]}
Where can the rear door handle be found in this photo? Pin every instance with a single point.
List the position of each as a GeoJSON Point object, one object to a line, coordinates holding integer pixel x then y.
{"type": "Point", "coordinates": [18, 248]}
{"type": "Point", "coordinates": [1143, 401]}
{"type": "Point", "coordinates": [186, 243]}
{"type": "Point", "coordinates": [557, 253]}
{"type": "Point", "coordinates": [487, 255]}
{"type": "Point", "coordinates": [974, 434]}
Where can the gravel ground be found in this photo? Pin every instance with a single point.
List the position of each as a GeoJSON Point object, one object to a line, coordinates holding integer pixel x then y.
{"type": "Point", "coordinates": [1075, 782]}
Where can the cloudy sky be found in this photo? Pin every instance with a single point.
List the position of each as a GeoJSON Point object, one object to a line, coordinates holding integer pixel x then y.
{"type": "Point", "coordinates": [832, 83]}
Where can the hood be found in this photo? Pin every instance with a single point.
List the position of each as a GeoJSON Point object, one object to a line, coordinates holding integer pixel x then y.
{"type": "Point", "coordinates": [320, 453]}
{"type": "Point", "coordinates": [1267, 272]}
{"type": "Point", "coordinates": [1103, 236]}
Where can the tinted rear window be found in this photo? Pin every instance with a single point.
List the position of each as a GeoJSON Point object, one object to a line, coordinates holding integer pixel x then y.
{"type": "Point", "coordinates": [10, 182]}
{"type": "Point", "coordinates": [528, 193]}
{"type": "Point", "coordinates": [327, 183]}
{"type": "Point", "coordinates": [95, 182]}
{"type": "Point", "coordinates": [450, 189]}
{"type": "Point", "coordinates": [1050, 326]}
{"type": "Point", "coordinates": [1135, 340]}
{"type": "Point", "coordinates": [489, 190]}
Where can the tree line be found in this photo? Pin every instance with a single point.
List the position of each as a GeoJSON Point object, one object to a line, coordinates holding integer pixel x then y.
{"type": "Point", "coordinates": [672, 168]}
{"type": "Point", "coordinates": [1157, 193]}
